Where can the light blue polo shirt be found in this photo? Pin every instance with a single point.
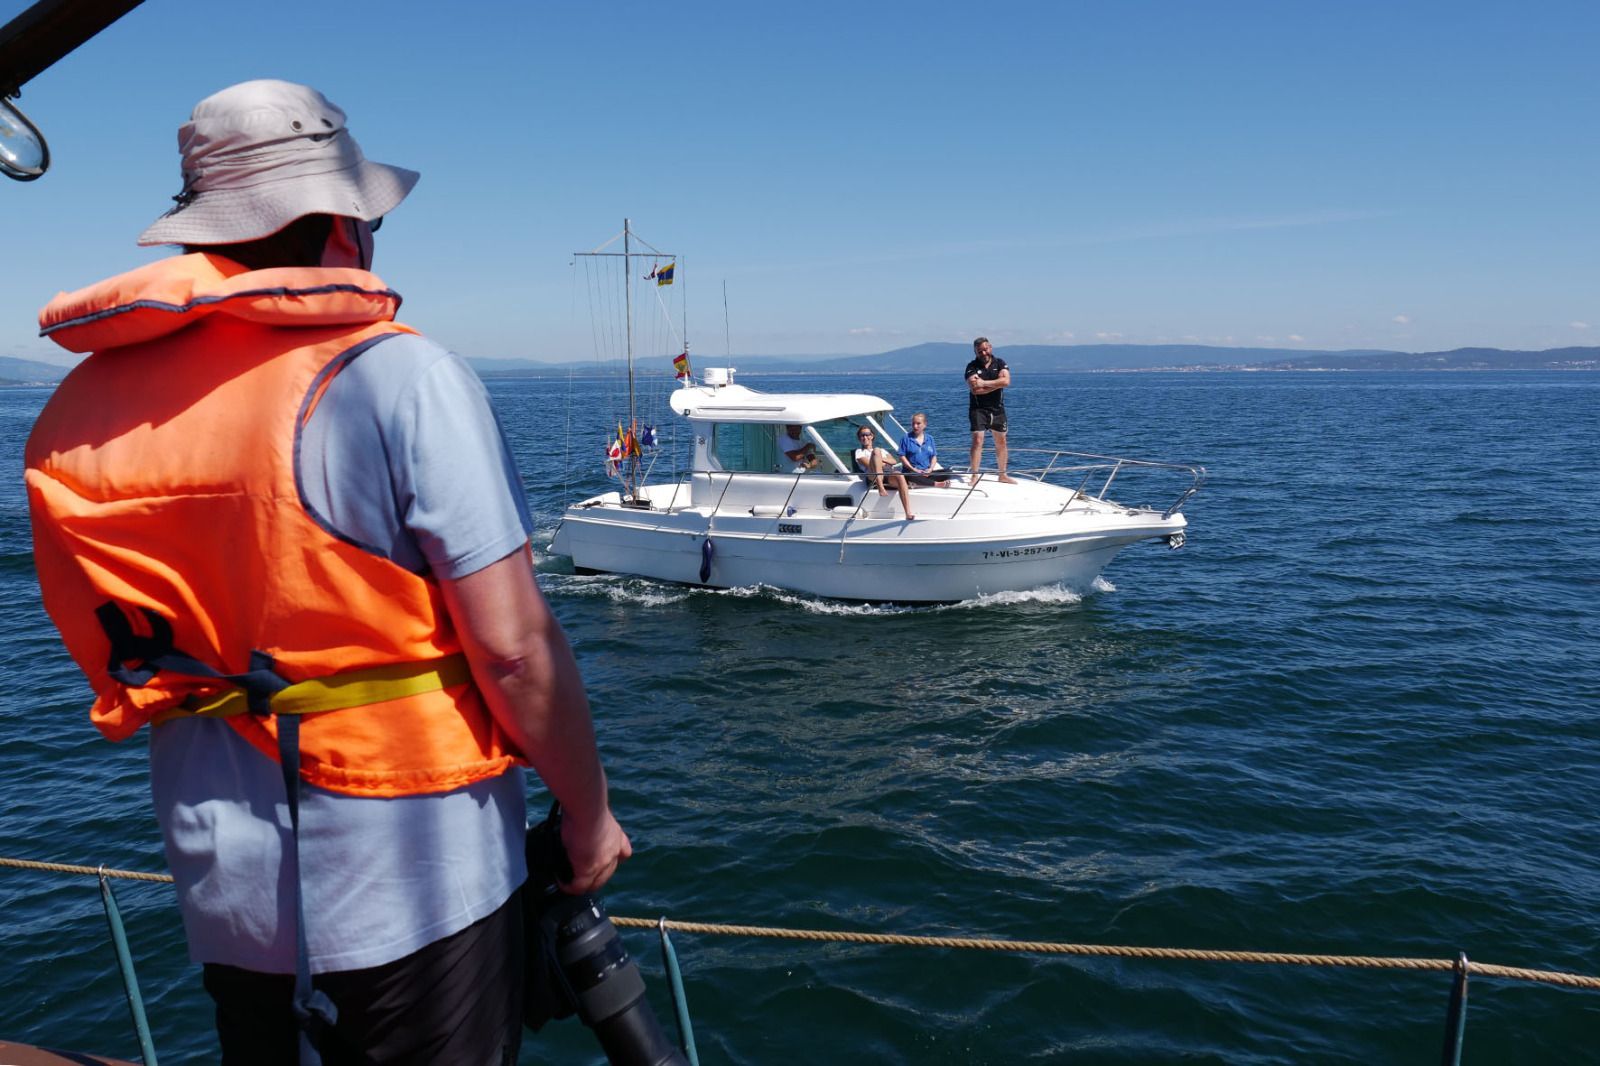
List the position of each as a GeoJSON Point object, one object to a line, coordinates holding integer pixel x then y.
{"type": "Point", "coordinates": [403, 455]}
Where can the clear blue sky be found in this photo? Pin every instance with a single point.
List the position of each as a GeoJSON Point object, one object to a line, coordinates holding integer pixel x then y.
{"type": "Point", "coordinates": [873, 174]}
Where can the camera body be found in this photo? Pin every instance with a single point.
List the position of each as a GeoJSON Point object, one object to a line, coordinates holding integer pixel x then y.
{"type": "Point", "coordinates": [577, 963]}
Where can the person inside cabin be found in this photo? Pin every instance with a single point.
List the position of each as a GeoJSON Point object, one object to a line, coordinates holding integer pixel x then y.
{"type": "Point", "coordinates": [285, 531]}
{"type": "Point", "coordinates": [987, 379]}
{"type": "Point", "coordinates": [800, 452]}
{"type": "Point", "coordinates": [870, 459]}
{"type": "Point", "coordinates": [919, 455]}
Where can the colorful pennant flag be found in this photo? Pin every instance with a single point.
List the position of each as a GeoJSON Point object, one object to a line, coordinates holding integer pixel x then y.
{"type": "Point", "coordinates": [614, 457]}
{"type": "Point", "coordinates": [648, 437]}
{"type": "Point", "coordinates": [664, 275]}
{"type": "Point", "coordinates": [680, 363]}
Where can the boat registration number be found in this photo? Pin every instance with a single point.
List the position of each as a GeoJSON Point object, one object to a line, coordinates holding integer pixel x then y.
{"type": "Point", "coordinates": [788, 528]}
{"type": "Point", "coordinates": [1017, 553]}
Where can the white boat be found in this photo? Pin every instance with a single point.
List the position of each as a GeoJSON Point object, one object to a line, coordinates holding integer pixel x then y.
{"type": "Point", "coordinates": [740, 516]}
{"type": "Point", "coordinates": [744, 514]}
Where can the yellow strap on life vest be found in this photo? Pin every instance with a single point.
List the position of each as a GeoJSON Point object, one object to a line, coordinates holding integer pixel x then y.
{"type": "Point", "coordinates": [355, 688]}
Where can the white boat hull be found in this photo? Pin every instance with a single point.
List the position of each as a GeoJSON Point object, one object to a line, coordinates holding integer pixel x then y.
{"type": "Point", "coordinates": [943, 556]}
{"type": "Point", "coordinates": [755, 509]}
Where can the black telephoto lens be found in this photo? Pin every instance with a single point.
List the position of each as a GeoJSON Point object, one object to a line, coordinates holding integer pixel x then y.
{"type": "Point", "coordinates": [578, 963]}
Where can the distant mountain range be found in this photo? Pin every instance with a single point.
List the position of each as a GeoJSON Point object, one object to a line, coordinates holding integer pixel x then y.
{"type": "Point", "coordinates": [1454, 359]}
{"type": "Point", "coordinates": [29, 372]}
{"type": "Point", "coordinates": [940, 356]}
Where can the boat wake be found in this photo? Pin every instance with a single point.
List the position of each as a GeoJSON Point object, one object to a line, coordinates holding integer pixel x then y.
{"type": "Point", "coordinates": [646, 593]}
{"type": "Point", "coordinates": [613, 589]}
{"type": "Point", "coordinates": [1049, 594]}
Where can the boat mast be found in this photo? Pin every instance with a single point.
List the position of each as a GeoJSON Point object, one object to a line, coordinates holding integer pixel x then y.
{"type": "Point", "coordinates": [627, 299]}
{"type": "Point", "coordinates": [629, 468]}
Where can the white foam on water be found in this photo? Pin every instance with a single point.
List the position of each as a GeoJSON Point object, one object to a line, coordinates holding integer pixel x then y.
{"type": "Point", "coordinates": [816, 605]}
{"type": "Point", "coordinates": [544, 560]}
{"type": "Point", "coordinates": [648, 593]}
{"type": "Point", "coordinates": [1059, 595]}
{"type": "Point", "coordinates": [617, 589]}
{"type": "Point", "coordinates": [1051, 594]}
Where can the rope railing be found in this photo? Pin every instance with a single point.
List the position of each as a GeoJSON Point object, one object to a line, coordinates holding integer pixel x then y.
{"type": "Point", "coordinates": [1025, 947]}
{"type": "Point", "coordinates": [1047, 947]}
{"type": "Point", "coordinates": [91, 871]}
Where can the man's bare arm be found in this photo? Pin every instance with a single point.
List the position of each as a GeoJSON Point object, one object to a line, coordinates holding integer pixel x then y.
{"type": "Point", "coordinates": [524, 667]}
{"type": "Point", "coordinates": [980, 386]}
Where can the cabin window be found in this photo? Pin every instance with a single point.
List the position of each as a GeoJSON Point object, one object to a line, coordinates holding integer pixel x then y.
{"type": "Point", "coordinates": [745, 448]}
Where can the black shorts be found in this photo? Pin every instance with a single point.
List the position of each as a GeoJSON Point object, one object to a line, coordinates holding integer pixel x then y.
{"type": "Point", "coordinates": [457, 1000]}
{"type": "Point", "coordinates": [991, 418]}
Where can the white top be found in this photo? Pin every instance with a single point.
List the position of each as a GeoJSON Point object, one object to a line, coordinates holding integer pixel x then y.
{"type": "Point", "coordinates": [863, 457]}
{"type": "Point", "coordinates": [787, 444]}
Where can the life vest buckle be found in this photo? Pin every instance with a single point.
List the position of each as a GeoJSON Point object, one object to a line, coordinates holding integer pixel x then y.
{"type": "Point", "coordinates": [155, 653]}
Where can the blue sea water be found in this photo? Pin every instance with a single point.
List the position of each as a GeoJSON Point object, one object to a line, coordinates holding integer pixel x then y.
{"type": "Point", "coordinates": [1359, 713]}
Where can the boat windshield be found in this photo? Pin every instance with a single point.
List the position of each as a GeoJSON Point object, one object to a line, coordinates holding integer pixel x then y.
{"type": "Point", "coordinates": [840, 433]}
{"type": "Point", "coordinates": [756, 448]}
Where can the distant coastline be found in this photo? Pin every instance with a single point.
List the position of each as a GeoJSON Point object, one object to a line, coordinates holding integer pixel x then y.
{"type": "Point", "coordinates": [939, 356]}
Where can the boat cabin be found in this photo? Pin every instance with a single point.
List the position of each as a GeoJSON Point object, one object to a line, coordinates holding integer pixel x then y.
{"type": "Point", "coordinates": [738, 430]}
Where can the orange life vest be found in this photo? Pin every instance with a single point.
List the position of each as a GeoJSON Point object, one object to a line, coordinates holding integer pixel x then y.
{"type": "Point", "coordinates": [167, 517]}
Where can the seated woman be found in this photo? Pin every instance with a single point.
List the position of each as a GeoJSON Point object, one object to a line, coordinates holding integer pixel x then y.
{"type": "Point", "coordinates": [874, 460]}
{"type": "Point", "coordinates": [801, 452]}
{"type": "Point", "coordinates": [919, 454]}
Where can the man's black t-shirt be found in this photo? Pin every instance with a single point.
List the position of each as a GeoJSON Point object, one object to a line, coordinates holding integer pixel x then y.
{"type": "Point", "coordinates": [987, 373]}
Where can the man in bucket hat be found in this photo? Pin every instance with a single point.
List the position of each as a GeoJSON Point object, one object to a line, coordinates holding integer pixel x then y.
{"type": "Point", "coordinates": [259, 155]}
{"type": "Point", "coordinates": [284, 530]}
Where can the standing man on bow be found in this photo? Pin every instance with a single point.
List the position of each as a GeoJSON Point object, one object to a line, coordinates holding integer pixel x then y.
{"type": "Point", "coordinates": [987, 379]}
{"type": "Point", "coordinates": [285, 532]}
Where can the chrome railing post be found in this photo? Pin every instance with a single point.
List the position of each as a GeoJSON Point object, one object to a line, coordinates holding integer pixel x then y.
{"type": "Point", "coordinates": [717, 507]}
{"type": "Point", "coordinates": [973, 487]}
{"type": "Point", "coordinates": [1110, 478]}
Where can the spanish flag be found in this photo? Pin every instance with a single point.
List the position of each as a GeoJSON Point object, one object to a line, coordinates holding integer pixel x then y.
{"type": "Point", "coordinates": [680, 363]}
{"type": "Point", "coordinates": [664, 274]}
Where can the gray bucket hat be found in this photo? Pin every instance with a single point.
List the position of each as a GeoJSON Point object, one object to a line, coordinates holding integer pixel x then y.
{"type": "Point", "coordinates": [260, 154]}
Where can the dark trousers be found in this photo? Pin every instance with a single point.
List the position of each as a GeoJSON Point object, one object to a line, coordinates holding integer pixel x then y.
{"type": "Point", "coordinates": [455, 1001]}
